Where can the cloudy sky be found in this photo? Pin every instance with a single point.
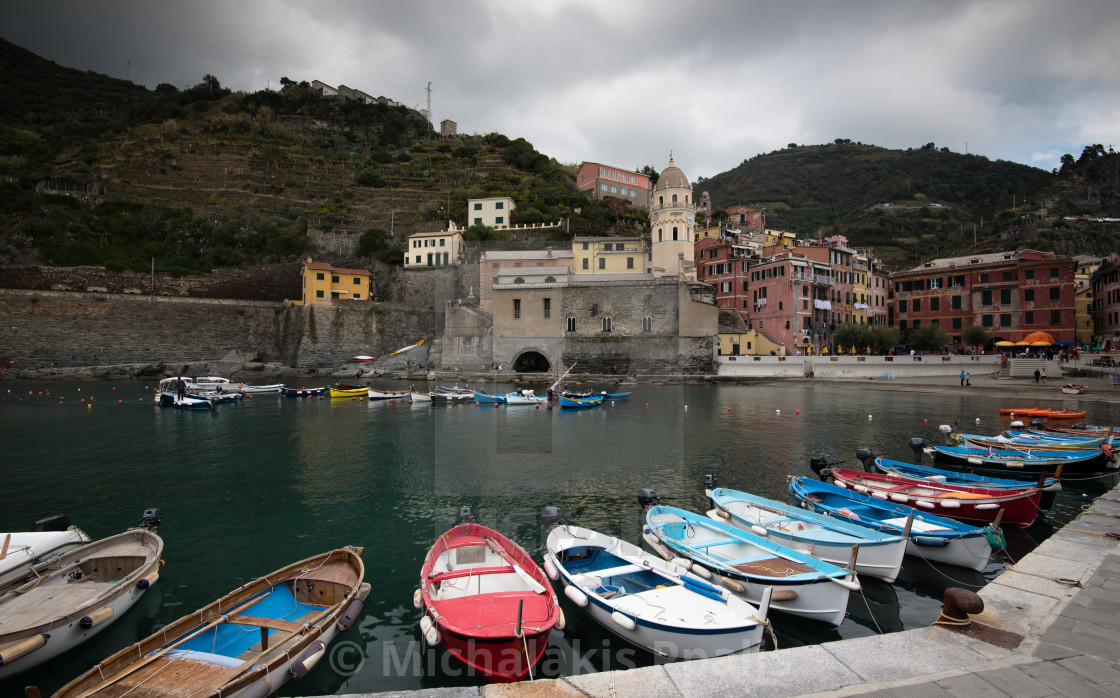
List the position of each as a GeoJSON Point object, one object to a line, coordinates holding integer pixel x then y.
{"type": "Point", "coordinates": [627, 81]}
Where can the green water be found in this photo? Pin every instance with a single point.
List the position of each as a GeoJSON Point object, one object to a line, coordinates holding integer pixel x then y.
{"type": "Point", "coordinates": [248, 488]}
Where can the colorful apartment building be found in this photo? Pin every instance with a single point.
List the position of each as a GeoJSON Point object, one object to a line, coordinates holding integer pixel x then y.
{"type": "Point", "coordinates": [1106, 304]}
{"type": "Point", "coordinates": [323, 283]}
{"type": "Point", "coordinates": [598, 181]}
{"type": "Point", "coordinates": [496, 266]}
{"type": "Point", "coordinates": [1009, 294]}
{"type": "Point", "coordinates": [723, 263]}
{"type": "Point", "coordinates": [747, 218]}
{"type": "Point", "coordinates": [437, 249]}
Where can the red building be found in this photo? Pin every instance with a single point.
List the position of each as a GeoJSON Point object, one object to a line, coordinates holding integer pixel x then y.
{"type": "Point", "coordinates": [598, 181]}
{"type": "Point", "coordinates": [724, 265]}
{"type": "Point", "coordinates": [1105, 308]}
{"type": "Point", "coordinates": [1009, 294]}
{"type": "Point", "coordinates": [746, 218]}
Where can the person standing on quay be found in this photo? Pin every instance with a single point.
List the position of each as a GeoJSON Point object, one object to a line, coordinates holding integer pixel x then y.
{"type": "Point", "coordinates": [962, 376]}
{"type": "Point", "coordinates": [1044, 376]}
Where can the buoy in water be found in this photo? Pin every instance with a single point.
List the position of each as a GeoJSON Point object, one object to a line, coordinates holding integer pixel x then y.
{"type": "Point", "coordinates": [777, 411]}
{"type": "Point", "coordinates": [869, 417]}
{"type": "Point", "coordinates": [797, 412]}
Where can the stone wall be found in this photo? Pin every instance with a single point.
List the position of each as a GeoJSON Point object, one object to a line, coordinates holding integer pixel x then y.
{"type": "Point", "coordinates": [269, 282]}
{"type": "Point", "coordinates": [42, 329]}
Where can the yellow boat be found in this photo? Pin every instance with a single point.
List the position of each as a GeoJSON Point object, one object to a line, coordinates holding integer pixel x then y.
{"type": "Point", "coordinates": [350, 392]}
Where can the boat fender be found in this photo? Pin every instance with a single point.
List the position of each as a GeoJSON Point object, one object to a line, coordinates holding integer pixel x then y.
{"type": "Point", "coordinates": [364, 588]}
{"type": "Point", "coordinates": [759, 530]}
{"type": "Point", "coordinates": [561, 621]}
{"type": "Point", "coordinates": [418, 599]}
{"type": "Point", "coordinates": [148, 580]}
{"type": "Point", "coordinates": [924, 504]}
{"type": "Point", "coordinates": [951, 503]}
{"type": "Point", "coordinates": [305, 662]}
{"type": "Point", "coordinates": [550, 569]}
{"type": "Point", "coordinates": [975, 461]}
{"type": "Point", "coordinates": [783, 595]}
{"type": "Point", "coordinates": [701, 571]}
{"type": "Point", "coordinates": [723, 514]}
{"type": "Point", "coordinates": [96, 618]}
{"type": "Point", "coordinates": [840, 483]}
{"type": "Point", "coordinates": [430, 631]}
{"type": "Point", "coordinates": [623, 621]}
{"type": "Point", "coordinates": [663, 551]}
{"type": "Point", "coordinates": [350, 615]}
{"type": "Point", "coordinates": [900, 498]}
{"type": "Point", "coordinates": [1014, 464]}
{"type": "Point", "coordinates": [861, 488]}
{"type": "Point", "coordinates": [930, 541]}
{"type": "Point", "coordinates": [681, 562]}
{"type": "Point", "coordinates": [22, 648]}
{"type": "Point", "coordinates": [259, 689]}
{"type": "Point", "coordinates": [732, 585]}
{"type": "Point", "coordinates": [576, 596]}
{"type": "Point", "coordinates": [990, 505]}
{"type": "Point", "coordinates": [879, 495]}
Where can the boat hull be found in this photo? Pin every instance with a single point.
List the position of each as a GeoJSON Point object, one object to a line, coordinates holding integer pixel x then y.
{"type": "Point", "coordinates": [303, 392]}
{"type": "Point", "coordinates": [388, 394]}
{"type": "Point", "coordinates": [580, 402]}
{"type": "Point", "coordinates": [1039, 462]}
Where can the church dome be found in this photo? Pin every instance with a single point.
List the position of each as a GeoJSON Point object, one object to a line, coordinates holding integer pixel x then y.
{"type": "Point", "coordinates": [671, 178]}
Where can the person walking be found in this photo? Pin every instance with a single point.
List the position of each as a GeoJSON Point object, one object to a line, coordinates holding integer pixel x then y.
{"type": "Point", "coordinates": [1044, 376]}
{"type": "Point", "coordinates": [962, 376]}
{"type": "Point", "coordinates": [968, 379]}
{"type": "Point", "coordinates": [1037, 375]}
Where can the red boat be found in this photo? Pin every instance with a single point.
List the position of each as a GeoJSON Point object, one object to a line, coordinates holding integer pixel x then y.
{"type": "Point", "coordinates": [486, 601]}
{"type": "Point", "coordinates": [976, 505]}
{"type": "Point", "coordinates": [1043, 412]}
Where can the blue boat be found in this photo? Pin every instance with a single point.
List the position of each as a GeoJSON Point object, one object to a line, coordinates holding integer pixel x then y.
{"type": "Point", "coordinates": [934, 538]}
{"type": "Point", "coordinates": [578, 402]}
{"type": "Point", "coordinates": [748, 564]}
{"type": "Point", "coordinates": [616, 396]}
{"type": "Point", "coordinates": [1030, 462]}
{"type": "Point", "coordinates": [483, 397]}
{"type": "Point", "coordinates": [193, 403]}
{"type": "Point", "coordinates": [953, 477]}
{"type": "Point", "coordinates": [302, 392]}
{"type": "Point", "coordinates": [824, 537]}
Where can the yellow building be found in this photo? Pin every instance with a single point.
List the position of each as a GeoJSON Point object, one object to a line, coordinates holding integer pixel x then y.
{"type": "Point", "coordinates": [438, 249]}
{"type": "Point", "coordinates": [594, 255]}
{"type": "Point", "coordinates": [323, 283]}
{"type": "Point", "coordinates": [748, 343]}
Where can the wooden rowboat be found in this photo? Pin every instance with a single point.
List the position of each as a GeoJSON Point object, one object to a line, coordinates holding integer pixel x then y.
{"type": "Point", "coordinates": [1044, 412]}
{"type": "Point", "coordinates": [248, 643]}
{"type": "Point", "coordinates": [486, 601]}
{"type": "Point", "coordinates": [302, 392]}
{"type": "Point", "coordinates": [56, 605]}
{"type": "Point", "coordinates": [578, 402]}
{"type": "Point", "coordinates": [969, 503]}
{"type": "Point", "coordinates": [1073, 389]}
{"type": "Point", "coordinates": [377, 394]}
{"type": "Point", "coordinates": [350, 392]}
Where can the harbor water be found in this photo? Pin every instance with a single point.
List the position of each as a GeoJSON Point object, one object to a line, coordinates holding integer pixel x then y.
{"type": "Point", "coordinates": [247, 488]}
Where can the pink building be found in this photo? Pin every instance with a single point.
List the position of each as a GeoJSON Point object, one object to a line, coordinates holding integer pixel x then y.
{"type": "Point", "coordinates": [723, 264]}
{"type": "Point", "coordinates": [1106, 304]}
{"type": "Point", "coordinates": [747, 218]}
{"type": "Point", "coordinates": [598, 181]}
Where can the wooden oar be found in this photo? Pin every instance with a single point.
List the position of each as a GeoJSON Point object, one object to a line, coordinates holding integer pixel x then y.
{"type": "Point", "coordinates": [525, 576]}
{"type": "Point", "coordinates": [132, 668]}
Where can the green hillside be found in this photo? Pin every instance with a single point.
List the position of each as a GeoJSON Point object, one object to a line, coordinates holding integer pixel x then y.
{"type": "Point", "coordinates": [99, 171]}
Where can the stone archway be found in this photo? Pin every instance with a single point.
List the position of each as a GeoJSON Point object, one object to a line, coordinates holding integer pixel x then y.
{"type": "Point", "coordinates": [531, 362]}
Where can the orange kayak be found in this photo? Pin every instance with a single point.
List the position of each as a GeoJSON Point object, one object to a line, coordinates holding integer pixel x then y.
{"type": "Point", "coordinates": [1044, 412]}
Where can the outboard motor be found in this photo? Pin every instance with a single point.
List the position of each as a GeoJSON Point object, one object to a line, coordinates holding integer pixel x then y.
{"type": "Point", "coordinates": [818, 466]}
{"type": "Point", "coordinates": [917, 444]}
{"type": "Point", "coordinates": [865, 456]}
{"type": "Point", "coordinates": [465, 516]}
{"type": "Point", "coordinates": [57, 522]}
{"type": "Point", "coordinates": [709, 482]}
{"type": "Point", "coordinates": [1078, 425]}
{"type": "Point", "coordinates": [1037, 422]}
{"type": "Point", "coordinates": [647, 497]}
{"type": "Point", "coordinates": [550, 516]}
{"type": "Point", "coordinates": [151, 519]}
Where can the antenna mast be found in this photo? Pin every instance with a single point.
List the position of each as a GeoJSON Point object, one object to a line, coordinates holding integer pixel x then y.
{"type": "Point", "coordinates": [429, 114]}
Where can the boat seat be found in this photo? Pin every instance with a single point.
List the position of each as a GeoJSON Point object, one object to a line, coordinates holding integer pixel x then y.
{"type": "Point", "coordinates": [270, 623]}
{"type": "Point", "coordinates": [752, 558]}
{"type": "Point", "coordinates": [615, 571]}
{"type": "Point", "coordinates": [470, 572]}
{"type": "Point", "coordinates": [714, 543]}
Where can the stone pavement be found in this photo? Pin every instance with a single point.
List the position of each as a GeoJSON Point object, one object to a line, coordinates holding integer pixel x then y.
{"type": "Point", "coordinates": [1050, 627]}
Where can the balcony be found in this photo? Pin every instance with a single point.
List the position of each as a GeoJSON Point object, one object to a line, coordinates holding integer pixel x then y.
{"type": "Point", "coordinates": [813, 278]}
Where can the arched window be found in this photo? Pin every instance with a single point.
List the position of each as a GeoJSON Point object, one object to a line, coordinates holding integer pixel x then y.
{"type": "Point", "coordinates": [607, 323]}
{"type": "Point", "coordinates": [660, 235]}
{"type": "Point", "coordinates": [519, 280]}
{"type": "Point", "coordinates": [660, 200]}
{"type": "Point", "coordinates": [686, 198]}
{"type": "Point", "coordinates": [674, 232]}
{"type": "Point", "coordinates": [550, 279]}
{"type": "Point", "coordinates": [674, 198]}
{"type": "Point", "coordinates": [647, 323]}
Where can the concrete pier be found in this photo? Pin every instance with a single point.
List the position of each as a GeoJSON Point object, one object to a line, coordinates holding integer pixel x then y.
{"type": "Point", "coordinates": [1049, 628]}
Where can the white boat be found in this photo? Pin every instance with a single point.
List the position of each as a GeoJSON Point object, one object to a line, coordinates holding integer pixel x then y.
{"type": "Point", "coordinates": [525, 397]}
{"type": "Point", "coordinates": [56, 605]}
{"type": "Point", "coordinates": [48, 538]}
{"type": "Point", "coordinates": [647, 601]}
{"type": "Point", "coordinates": [420, 397]}
{"type": "Point", "coordinates": [750, 565]}
{"type": "Point", "coordinates": [215, 384]}
{"type": "Point", "coordinates": [167, 392]}
{"type": "Point", "coordinates": [193, 403]}
{"type": "Point", "coordinates": [261, 389]}
{"type": "Point", "coordinates": [824, 537]}
{"type": "Point", "coordinates": [377, 394]}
